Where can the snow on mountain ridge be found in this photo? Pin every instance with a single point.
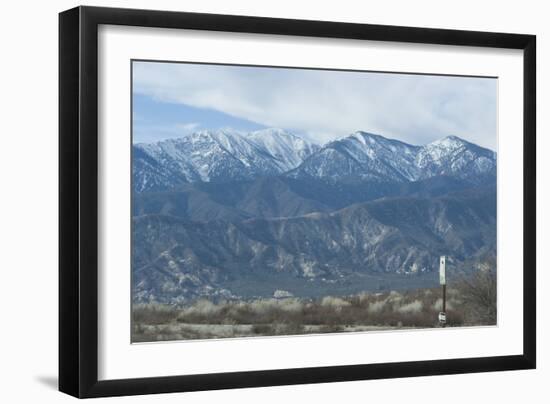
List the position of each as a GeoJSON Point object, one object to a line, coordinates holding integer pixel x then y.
{"type": "Point", "coordinates": [367, 156]}
{"type": "Point", "coordinates": [455, 156]}
{"type": "Point", "coordinates": [362, 155]}
{"type": "Point", "coordinates": [288, 149]}
{"type": "Point", "coordinates": [221, 155]}
{"type": "Point", "coordinates": [227, 155]}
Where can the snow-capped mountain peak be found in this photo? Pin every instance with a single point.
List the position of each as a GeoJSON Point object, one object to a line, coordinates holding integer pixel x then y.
{"type": "Point", "coordinates": [288, 149]}
{"type": "Point", "coordinates": [367, 156]}
{"type": "Point", "coordinates": [219, 155]}
{"type": "Point", "coordinates": [228, 155]}
{"type": "Point", "coordinates": [362, 155]}
{"type": "Point", "coordinates": [456, 157]}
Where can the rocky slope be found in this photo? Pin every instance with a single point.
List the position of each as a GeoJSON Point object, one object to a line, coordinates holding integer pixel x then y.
{"type": "Point", "coordinates": [222, 214]}
{"type": "Point", "coordinates": [178, 258]}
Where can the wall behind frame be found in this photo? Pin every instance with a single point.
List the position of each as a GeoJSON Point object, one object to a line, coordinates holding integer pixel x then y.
{"type": "Point", "coordinates": [28, 207]}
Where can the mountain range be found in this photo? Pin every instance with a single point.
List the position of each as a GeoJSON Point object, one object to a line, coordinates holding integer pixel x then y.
{"type": "Point", "coordinates": [223, 214]}
{"type": "Point", "coordinates": [216, 156]}
{"type": "Point", "coordinates": [222, 156]}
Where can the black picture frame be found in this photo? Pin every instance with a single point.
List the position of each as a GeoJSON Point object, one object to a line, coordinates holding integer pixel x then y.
{"type": "Point", "coordinates": [78, 200]}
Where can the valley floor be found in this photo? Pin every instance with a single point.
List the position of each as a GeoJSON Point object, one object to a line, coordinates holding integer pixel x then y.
{"type": "Point", "coordinates": [293, 316]}
{"type": "Point", "coordinates": [179, 331]}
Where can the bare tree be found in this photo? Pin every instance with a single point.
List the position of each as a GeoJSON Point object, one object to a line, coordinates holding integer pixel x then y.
{"type": "Point", "coordinates": [478, 289]}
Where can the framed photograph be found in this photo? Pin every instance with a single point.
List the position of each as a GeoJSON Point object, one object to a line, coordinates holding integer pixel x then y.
{"type": "Point", "coordinates": [251, 201]}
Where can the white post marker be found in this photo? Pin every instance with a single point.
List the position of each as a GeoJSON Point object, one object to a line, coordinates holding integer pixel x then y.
{"type": "Point", "coordinates": [443, 314]}
{"type": "Point", "coordinates": [441, 270]}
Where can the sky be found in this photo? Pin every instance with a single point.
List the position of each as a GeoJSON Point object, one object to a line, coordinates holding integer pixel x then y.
{"type": "Point", "coordinates": [174, 99]}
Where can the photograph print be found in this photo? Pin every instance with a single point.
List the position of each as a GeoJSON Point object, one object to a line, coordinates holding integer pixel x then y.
{"type": "Point", "coordinates": [277, 201]}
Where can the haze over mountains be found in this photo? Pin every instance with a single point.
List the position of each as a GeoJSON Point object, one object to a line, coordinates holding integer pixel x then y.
{"type": "Point", "coordinates": [227, 214]}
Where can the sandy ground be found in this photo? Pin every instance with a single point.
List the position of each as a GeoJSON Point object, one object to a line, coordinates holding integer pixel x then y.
{"type": "Point", "coordinates": [182, 331]}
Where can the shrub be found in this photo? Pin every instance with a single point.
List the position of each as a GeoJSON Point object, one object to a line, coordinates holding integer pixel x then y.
{"type": "Point", "coordinates": [290, 316]}
{"type": "Point", "coordinates": [479, 293]}
{"type": "Point", "coordinates": [335, 302]}
{"type": "Point", "coordinates": [376, 307]}
{"type": "Point", "coordinates": [262, 329]}
{"type": "Point", "coordinates": [153, 313]}
{"type": "Point", "coordinates": [449, 305]}
{"type": "Point", "coordinates": [411, 308]}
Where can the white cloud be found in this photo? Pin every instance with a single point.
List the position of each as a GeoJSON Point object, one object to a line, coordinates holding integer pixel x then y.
{"type": "Point", "coordinates": [188, 127]}
{"type": "Point", "coordinates": [152, 132]}
{"type": "Point", "coordinates": [329, 104]}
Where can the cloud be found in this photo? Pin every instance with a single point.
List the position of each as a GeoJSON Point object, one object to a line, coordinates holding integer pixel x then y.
{"type": "Point", "coordinates": [188, 127]}
{"type": "Point", "coordinates": [329, 104]}
{"type": "Point", "coordinates": [146, 131]}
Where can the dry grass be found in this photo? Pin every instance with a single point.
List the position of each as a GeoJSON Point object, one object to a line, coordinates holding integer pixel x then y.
{"type": "Point", "coordinates": [470, 304]}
